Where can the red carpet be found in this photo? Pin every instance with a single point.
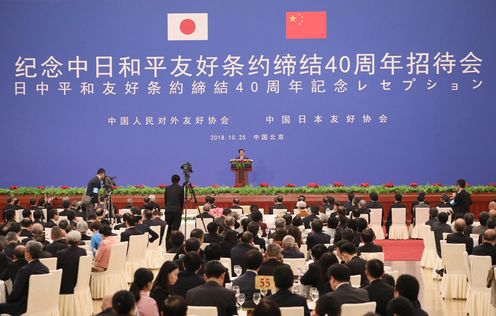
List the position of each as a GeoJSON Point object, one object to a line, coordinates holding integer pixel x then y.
{"type": "Point", "coordinates": [402, 250]}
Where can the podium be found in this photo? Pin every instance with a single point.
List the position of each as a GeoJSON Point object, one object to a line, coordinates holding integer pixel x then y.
{"type": "Point", "coordinates": [241, 169]}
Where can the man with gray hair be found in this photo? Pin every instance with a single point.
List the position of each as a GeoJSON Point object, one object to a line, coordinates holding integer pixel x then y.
{"type": "Point", "coordinates": [17, 300]}
{"type": "Point", "coordinates": [206, 208]}
{"type": "Point", "coordinates": [290, 248]}
{"type": "Point", "coordinates": [59, 241]}
{"type": "Point", "coordinates": [273, 260]}
{"type": "Point", "coordinates": [68, 261]}
{"type": "Point", "coordinates": [82, 228]}
{"type": "Point", "coordinates": [280, 232]}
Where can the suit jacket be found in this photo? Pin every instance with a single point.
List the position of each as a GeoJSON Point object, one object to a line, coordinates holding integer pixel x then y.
{"type": "Point", "coordinates": [246, 283]}
{"type": "Point", "coordinates": [346, 294]}
{"type": "Point", "coordinates": [157, 222]}
{"type": "Point", "coordinates": [51, 224]}
{"type": "Point", "coordinates": [19, 295]}
{"type": "Point", "coordinates": [317, 238]}
{"type": "Point", "coordinates": [268, 267]}
{"type": "Point", "coordinates": [313, 277]}
{"type": "Point", "coordinates": [11, 270]}
{"type": "Point", "coordinates": [212, 294]}
{"type": "Point", "coordinates": [460, 238]}
{"type": "Point", "coordinates": [292, 253]}
{"type": "Point", "coordinates": [4, 261]}
{"type": "Point", "coordinates": [259, 241]}
{"type": "Point", "coordinates": [381, 293]}
{"type": "Point", "coordinates": [9, 249]}
{"type": "Point", "coordinates": [237, 254]}
{"type": "Point", "coordinates": [186, 280]}
{"type": "Point", "coordinates": [370, 247]}
{"type": "Point", "coordinates": [390, 214]}
{"type": "Point", "coordinates": [284, 298]}
{"type": "Point", "coordinates": [462, 202]}
{"type": "Point", "coordinates": [138, 230]}
{"type": "Point", "coordinates": [438, 230]}
{"type": "Point", "coordinates": [484, 249]}
{"type": "Point", "coordinates": [94, 183]}
{"type": "Point", "coordinates": [373, 204]}
{"type": "Point", "coordinates": [174, 198]}
{"type": "Point", "coordinates": [68, 261]}
{"type": "Point", "coordinates": [213, 238]}
{"type": "Point", "coordinates": [308, 220]}
{"type": "Point", "coordinates": [357, 266]}
{"type": "Point", "coordinates": [204, 215]}
{"type": "Point", "coordinates": [107, 312]}
{"type": "Point", "coordinates": [55, 246]}
{"type": "Point", "coordinates": [277, 206]}
{"type": "Point", "coordinates": [431, 221]}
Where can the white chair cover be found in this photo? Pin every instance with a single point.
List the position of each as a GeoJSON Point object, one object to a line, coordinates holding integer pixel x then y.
{"type": "Point", "coordinates": [43, 294]}
{"type": "Point", "coordinates": [190, 224]}
{"type": "Point", "coordinates": [394, 274]}
{"type": "Point", "coordinates": [169, 256]}
{"type": "Point", "coordinates": [478, 295]}
{"type": "Point", "coordinates": [421, 216]}
{"type": "Point", "coordinates": [226, 262]}
{"type": "Point", "coordinates": [277, 211]}
{"type": "Point", "coordinates": [454, 283]}
{"type": "Point", "coordinates": [429, 255]}
{"type": "Point", "coordinates": [292, 311]}
{"type": "Point", "coordinates": [372, 255]}
{"type": "Point", "coordinates": [356, 280]}
{"type": "Point", "coordinates": [295, 263]}
{"type": "Point", "coordinates": [199, 223]}
{"type": "Point", "coordinates": [136, 255]}
{"type": "Point", "coordinates": [204, 245]}
{"type": "Point", "coordinates": [50, 263]}
{"type": "Point", "coordinates": [445, 210]}
{"type": "Point", "coordinates": [202, 311]}
{"type": "Point", "coordinates": [357, 309]}
{"type": "Point", "coordinates": [80, 303]}
{"type": "Point", "coordinates": [376, 223]}
{"type": "Point", "coordinates": [398, 229]}
{"type": "Point", "coordinates": [114, 278]}
{"type": "Point", "coordinates": [475, 238]}
{"type": "Point", "coordinates": [154, 255]}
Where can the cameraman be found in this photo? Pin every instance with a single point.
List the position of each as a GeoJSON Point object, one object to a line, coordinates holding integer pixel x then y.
{"type": "Point", "coordinates": [94, 185]}
{"type": "Point", "coordinates": [174, 201]}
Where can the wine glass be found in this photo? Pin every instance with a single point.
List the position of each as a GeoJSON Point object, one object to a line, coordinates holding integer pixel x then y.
{"type": "Point", "coordinates": [241, 299]}
{"type": "Point", "coordinates": [235, 288]}
{"type": "Point", "coordinates": [256, 298]}
{"type": "Point", "coordinates": [238, 270]}
{"type": "Point", "coordinates": [314, 294]}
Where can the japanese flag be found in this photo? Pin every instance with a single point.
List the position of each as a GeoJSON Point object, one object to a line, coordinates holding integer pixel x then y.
{"type": "Point", "coordinates": [187, 26]}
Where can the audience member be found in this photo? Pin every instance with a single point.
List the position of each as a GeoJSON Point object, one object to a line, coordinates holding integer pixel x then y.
{"type": "Point", "coordinates": [378, 289]}
{"type": "Point", "coordinates": [141, 286]}
{"type": "Point", "coordinates": [166, 278]}
{"type": "Point", "coordinates": [68, 261]}
{"type": "Point", "coordinates": [408, 287]}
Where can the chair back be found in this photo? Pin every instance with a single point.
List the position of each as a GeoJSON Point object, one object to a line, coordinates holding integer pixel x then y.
{"type": "Point", "coordinates": [376, 216]}
{"type": "Point", "coordinates": [84, 273]}
{"type": "Point", "coordinates": [295, 263]}
{"type": "Point", "coordinates": [398, 215]}
{"type": "Point", "coordinates": [37, 292]}
{"type": "Point", "coordinates": [169, 256]}
{"type": "Point", "coordinates": [156, 243]}
{"type": "Point", "coordinates": [202, 311]}
{"type": "Point", "coordinates": [50, 263]}
{"type": "Point", "coordinates": [452, 255]}
{"type": "Point", "coordinates": [199, 223]}
{"type": "Point", "coordinates": [479, 265]}
{"type": "Point", "coordinates": [53, 296]}
{"type": "Point", "coordinates": [117, 260]}
{"type": "Point", "coordinates": [292, 311]}
{"type": "Point", "coordinates": [445, 235]}
{"type": "Point", "coordinates": [357, 309]}
{"type": "Point", "coordinates": [123, 211]}
{"type": "Point", "coordinates": [226, 262]}
{"type": "Point", "coordinates": [204, 245]}
{"type": "Point", "coordinates": [421, 215]}
{"type": "Point", "coordinates": [356, 280]}
{"type": "Point", "coordinates": [137, 247]}
{"type": "Point", "coordinates": [277, 211]}
{"type": "Point", "coordinates": [372, 255]}
{"type": "Point", "coordinates": [447, 210]}
{"type": "Point", "coordinates": [475, 238]}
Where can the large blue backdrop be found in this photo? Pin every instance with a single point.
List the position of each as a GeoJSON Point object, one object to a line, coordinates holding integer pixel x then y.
{"type": "Point", "coordinates": [373, 91]}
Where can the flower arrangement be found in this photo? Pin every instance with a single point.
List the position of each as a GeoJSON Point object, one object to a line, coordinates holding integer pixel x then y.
{"type": "Point", "coordinates": [313, 185]}
{"type": "Point", "coordinates": [492, 184]}
{"type": "Point", "coordinates": [264, 185]}
{"type": "Point", "coordinates": [389, 185]}
{"type": "Point", "coordinates": [13, 187]}
{"type": "Point", "coordinates": [64, 187]}
{"type": "Point", "coordinates": [290, 185]}
{"type": "Point", "coordinates": [215, 186]}
{"type": "Point", "coordinates": [139, 186]}
{"type": "Point", "coordinates": [162, 186]}
{"type": "Point", "coordinates": [364, 185]}
{"type": "Point", "coordinates": [238, 185]}
{"type": "Point", "coordinates": [40, 187]}
{"type": "Point", "coordinates": [414, 184]}
{"type": "Point", "coordinates": [338, 184]}
{"type": "Point", "coordinates": [437, 184]}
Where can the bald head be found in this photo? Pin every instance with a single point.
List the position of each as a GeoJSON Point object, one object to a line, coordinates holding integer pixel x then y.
{"type": "Point", "coordinates": [490, 236]}
{"type": "Point", "coordinates": [492, 205]}
{"type": "Point", "coordinates": [37, 229]}
{"type": "Point", "coordinates": [460, 225]}
{"type": "Point", "coordinates": [19, 252]}
{"type": "Point", "coordinates": [492, 213]}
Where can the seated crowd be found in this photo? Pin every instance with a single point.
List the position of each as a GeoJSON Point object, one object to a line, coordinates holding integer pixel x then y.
{"type": "Point", "coordinates": [335, 236]}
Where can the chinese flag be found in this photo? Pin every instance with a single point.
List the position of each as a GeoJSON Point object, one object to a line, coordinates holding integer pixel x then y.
{"type": "Point", "coordinates": [310, 24]}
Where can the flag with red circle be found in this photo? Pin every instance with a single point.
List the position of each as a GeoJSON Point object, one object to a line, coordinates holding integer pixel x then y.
{"type": "Point", "coordinates": [187, 26]}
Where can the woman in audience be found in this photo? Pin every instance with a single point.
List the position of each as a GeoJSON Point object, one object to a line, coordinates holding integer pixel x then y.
{"type": "Point", "coordinates": [140, 288]}
{"type": "Point", "coordinates": [316, 275]}
{"type": "Point", "coordinates": [174, 306]}
{"type": "Point", "coordinates": [290, 248]}
{"type": "Point", "coordinates": [230, 240]}
{"type": "Point", "coordinates": [103, 254]}
{"type": "Point", "coordinates": [167, 277]}
{"type": "Point", "coordinates": [267, 308]}
{"type": "Point", "coordinates": [176, 240]}
{"type": "Point", "coordinates": [297, 221]}
{"type": "Point", "coordinates": [295, 232]}
{"type": "Point", "coordinates": [124, 304]}
{"type": "Point", "coordinates": [257, 217]}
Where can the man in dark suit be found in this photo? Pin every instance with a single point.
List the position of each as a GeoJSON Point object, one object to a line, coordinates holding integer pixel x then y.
{"type": "Point", "coordinates": [68, 261]}
{"type": "Point", "coordinates": [254, 228]}
{"type": "Point", "coordinates": [314, 214]}
{"type": "Point", "coordinates": [348, 206]}
{"type": "Point", "coordinates": [238, 251]}
{"type": "Point", "coordinates": [188, 278]}
{"type": "Point", "coordinates": [235, 205]}
{"type": "Point", "coordinates": [398, 198]}
{"type": "Point", "coordinates": [206, 208]}
{"type": "Point", "coordinates": [12, 243]}
{"type": "Point", "coordinates": [53, 217]}
{"type": "Point", "coordinates": [277, 204]}
{"type": "Point", "coordinates": [488, 246]}
{"type": "Point", "coordinates": [440, 228]}
{"type": "Point", "coordinates": [459, 237]}
{"type": "Point", "coordinates": [213, 236]}
{"type": "Point", "coordinates": [174, 201]}
{"type": "Point", "coordinates": [408, 287]}
{"type": "Point", "coordinates": [246, 282]}
{"type": "Point", "coordinates": [368, 237]}
{"type": "Point", "coordinates": [273, 260]}
{"type": "Point", "coordinates": [18, 298]}
{"type": "Point", "coordinates": [10, 271]}
{"type": "Point", "coordinates": [347, 252]}
{"type": "Point", "coordinates": [374, 201]}
{"type": "Point", "coordinates": [59, 241]}
{"type": "Point", "coordinates": [283, 279]}
{"type": "Point", "coordinates": [316, 236]}
{"type": "Point", "coordinates": [92, 188]}
{"type": "Point", "coordinates": [379, 291]}
{"type": "Point", "coordinates": [461, 200]}
{"type": "Point", "coordinates": [343, 292]}
{"type": "Point", "coordinates": [133, 228]}
{"type": "Point", "coordinates": [432, 217]}
{"type": "Point", "coordinates": [212, 293]}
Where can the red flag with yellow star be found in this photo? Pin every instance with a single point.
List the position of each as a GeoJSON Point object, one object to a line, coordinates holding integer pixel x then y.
{"type": "Point", "coordinates": [309, 24]}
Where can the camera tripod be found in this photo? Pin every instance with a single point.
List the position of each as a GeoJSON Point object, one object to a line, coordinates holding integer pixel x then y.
{"type": "Point", "coordinates": [190, 196]}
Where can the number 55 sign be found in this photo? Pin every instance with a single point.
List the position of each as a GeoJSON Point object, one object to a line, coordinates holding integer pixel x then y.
{"type": "Point", "coordinates": [264, 282]}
